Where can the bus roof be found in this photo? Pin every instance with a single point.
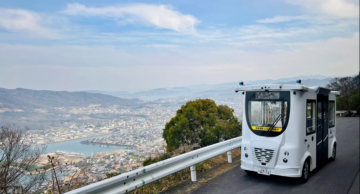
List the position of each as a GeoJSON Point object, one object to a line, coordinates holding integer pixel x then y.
{"type": "Point", "coordinates": [272, 87]}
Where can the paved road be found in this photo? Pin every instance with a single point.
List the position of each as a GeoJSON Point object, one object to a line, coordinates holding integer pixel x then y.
{"type": "Point", "coordinates": [335, 177]}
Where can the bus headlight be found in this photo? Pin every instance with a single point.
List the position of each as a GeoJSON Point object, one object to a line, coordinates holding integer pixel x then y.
{"type": "Point", "coordinates": [286, 153]}
{"type": "Point", "coordinates": [246, 155]}
{"type": "Point", "coordinates": [245, 148]}
{"type": "Point", "coordinates": [285, 160]}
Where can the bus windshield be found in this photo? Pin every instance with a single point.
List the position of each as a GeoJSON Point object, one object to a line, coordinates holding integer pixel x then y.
{"type": "Point", "coordinates": [267, 112]}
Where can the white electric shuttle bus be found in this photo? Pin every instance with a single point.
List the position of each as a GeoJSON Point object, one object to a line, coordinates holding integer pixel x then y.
{"type": "Point", "coordinates": [288, 130]}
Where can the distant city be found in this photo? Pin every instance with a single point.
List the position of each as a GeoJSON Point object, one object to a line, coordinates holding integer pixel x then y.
{"type": "Point", "coordinates": [136, 136]}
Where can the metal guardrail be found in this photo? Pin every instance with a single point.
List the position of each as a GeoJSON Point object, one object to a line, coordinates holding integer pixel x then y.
{"type": "Point", "coordinates": [144, 175]}
{"type": "Point", "coordinates": [340, 112]}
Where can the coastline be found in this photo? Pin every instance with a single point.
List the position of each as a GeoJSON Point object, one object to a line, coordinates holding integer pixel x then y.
{"type": "Point", "coordinates": [108, 144]}
{"type": "Point", "coordinates": [100, 134]}
{"type": "Point", "coordinates": [78, 138]}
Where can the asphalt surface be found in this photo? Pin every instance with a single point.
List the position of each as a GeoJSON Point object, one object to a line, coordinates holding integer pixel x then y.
{"type": "Point", "coordinates": [339, 176]}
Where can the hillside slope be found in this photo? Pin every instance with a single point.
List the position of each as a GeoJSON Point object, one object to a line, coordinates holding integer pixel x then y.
{"type": "Point", "coordinates": [35, 99]}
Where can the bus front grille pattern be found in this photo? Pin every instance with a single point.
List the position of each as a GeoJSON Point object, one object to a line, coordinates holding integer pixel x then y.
{"type": "Point", "coordinates": [263, 155]}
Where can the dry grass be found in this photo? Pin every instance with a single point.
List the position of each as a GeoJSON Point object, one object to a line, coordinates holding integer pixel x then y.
{"type": "Point", "coordinates": [179, 177]}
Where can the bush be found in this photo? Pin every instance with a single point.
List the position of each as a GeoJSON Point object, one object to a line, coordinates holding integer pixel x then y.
{"type": "Point", "coordinates": [201, 122]}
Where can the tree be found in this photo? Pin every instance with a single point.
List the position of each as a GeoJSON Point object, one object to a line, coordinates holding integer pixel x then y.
{"type": "Point", "coordinates": [201, 122]}
{"type": "Point", "coordinates": [16, 158]}
{"type": "Point", "coordinates": [345, 84]}
{"type": "Point", "coordinates": [349, 92]}
{"type": "Point", "coordinates": [350, 101]}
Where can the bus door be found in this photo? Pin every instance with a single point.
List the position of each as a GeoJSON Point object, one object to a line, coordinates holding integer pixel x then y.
{"type": "Point", "coordinates": [322, 130]}
{"type": "Point", "coordinates": [325, 129]}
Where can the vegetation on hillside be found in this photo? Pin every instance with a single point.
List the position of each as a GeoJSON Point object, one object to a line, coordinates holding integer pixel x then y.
{"type": "Point", "coordinates": [348, 87]}
{"type": "Point", "coordinates": [349, 101]}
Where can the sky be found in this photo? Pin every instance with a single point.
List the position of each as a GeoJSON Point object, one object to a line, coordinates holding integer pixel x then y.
{"type": "Point", "coordinates": [138, 45]}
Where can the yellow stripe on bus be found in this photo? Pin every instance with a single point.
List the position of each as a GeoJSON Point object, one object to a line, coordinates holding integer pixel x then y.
{"type": "Point", "coordinates": [275, 129]}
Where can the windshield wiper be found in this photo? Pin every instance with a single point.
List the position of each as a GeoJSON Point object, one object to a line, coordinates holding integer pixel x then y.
{"type": "Point", "coordinates": [273, 124]}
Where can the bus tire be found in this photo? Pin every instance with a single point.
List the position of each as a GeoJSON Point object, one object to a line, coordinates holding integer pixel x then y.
{"type": "Point", "coordinates": [305, 171]}
{"type": "Point", "coordinates": [333, 153]}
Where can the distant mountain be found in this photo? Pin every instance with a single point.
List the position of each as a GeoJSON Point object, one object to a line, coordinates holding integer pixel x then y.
{"type": "Point", "coordinates": [117, 93]}
{"type": "Point", "coordinates": [213, 90]}
{"type": "Point", "coordinates": [36, 99]}
{"type": "Point", "coordinates": [224, 89]}
{"type": "Point", "coordinates": [311, 82]}
{"type": "Point", "coordinates": [163, 93]}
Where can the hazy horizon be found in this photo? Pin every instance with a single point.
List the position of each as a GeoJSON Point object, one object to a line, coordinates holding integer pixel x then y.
{"type": "Point", "coordinates": [184, 86]}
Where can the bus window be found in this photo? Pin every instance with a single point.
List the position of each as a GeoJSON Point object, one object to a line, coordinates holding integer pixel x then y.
{"type": "Point", "coordinates": [310, 117]}
{"type": "Point", "coordinates": [267, 113]}
{"type": "Point", "coordinates": [331, 114]}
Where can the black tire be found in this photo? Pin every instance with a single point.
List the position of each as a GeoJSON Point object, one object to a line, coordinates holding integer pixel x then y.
{"type": "Point", "coordinates": [305, 171]}
{"type": "Point", "coordinates": [333, 153]}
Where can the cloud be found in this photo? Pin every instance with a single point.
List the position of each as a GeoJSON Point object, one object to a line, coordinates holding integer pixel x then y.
{"type": "Point", "coordinates": [278, 19]}
{"type": "Point", "coordinates": [66, 55]}
{"type": "Point", "coordinates": [161, 46]}
{"type": "Point", "coordinates": [262, 31]}
{"type": "Point", "coordinates": [158, 15]}
{"type": "Point", "coordinates": [337, 8]}
{"type": "Point", "coordinates": [19, 20]}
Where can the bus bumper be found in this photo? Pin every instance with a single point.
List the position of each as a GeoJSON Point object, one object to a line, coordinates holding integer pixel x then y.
{"type": "Point", "coordinates": [279, 170]}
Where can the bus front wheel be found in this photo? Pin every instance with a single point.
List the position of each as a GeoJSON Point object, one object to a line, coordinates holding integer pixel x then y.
{"type": "Point", "coordinates": [305, 171]}
{"type": "Point", "coordinates": [333, 153]}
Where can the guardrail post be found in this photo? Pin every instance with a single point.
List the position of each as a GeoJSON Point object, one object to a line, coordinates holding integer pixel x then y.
{"type": "Point", "coordinates": [193, 173]}
{"type": "Point", "coordinates": [229, 157]}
